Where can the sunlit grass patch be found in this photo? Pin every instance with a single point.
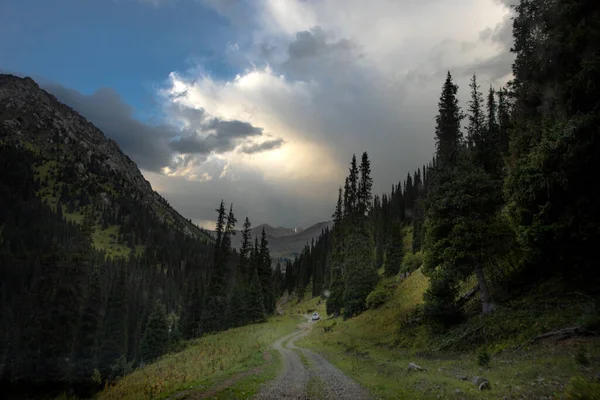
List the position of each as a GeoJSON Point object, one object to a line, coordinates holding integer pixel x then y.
{"type": "Point", "coordinates": [208, 361]}
{"type": "Point", "coordinates": [376, 347]}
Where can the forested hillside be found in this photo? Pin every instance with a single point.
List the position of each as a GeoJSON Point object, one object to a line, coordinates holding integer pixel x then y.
{"type": "Point", "coordinates": [98, 274]}
{"type": "Point", "coordinates": [509, 200]}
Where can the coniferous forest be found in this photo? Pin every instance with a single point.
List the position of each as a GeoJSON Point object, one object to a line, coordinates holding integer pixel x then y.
{"type": "Point", "coordinates": [72, 317]}
{"type": "Point", "coordinates": [508, 201]}
{"type": "Point", "coordinates": [509, 197]}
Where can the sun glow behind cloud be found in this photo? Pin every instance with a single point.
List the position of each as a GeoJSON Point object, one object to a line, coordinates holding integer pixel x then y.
{"type": "Point", "coordinates": [324, 81]}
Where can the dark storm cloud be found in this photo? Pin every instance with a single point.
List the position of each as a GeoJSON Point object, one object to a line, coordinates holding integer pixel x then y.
{"type": "Point", "coordinates": [152, 147]}
{"type": "Point", "coordinates": [260, 147]}
{"type": "Point", "coordinates": [313, 51]}
{"type": "Point", "coordinates": [231, 129]}
{"type": "Point", "coordinates": [146, 144]}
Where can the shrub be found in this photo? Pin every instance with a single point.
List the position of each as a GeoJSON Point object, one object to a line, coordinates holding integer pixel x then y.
{"type": "Point", "coordinates": [412, 261]}
{"type": "Point", "coordinates": [439, 302]}
{"type": "Point", "coordinates": [484, 358]}
{"type": "Point", "coordinates": [377, 298]}
{"type": "Point", "coordinates": [329, 328]}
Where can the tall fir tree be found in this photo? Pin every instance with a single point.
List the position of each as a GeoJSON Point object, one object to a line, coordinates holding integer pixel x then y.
{"type": "Point", "coordinates": [254, 299]}
{"type": "Point", "coordinates": [448, 136]}
{"type": "Point", "coordinates": [265, 274]}
{"type": "Point", "coordinates": [155, 341]}
{"type": "Point", "coordinates": [114, 338]}
{"type": "Point", "coordinates": [476, 117]}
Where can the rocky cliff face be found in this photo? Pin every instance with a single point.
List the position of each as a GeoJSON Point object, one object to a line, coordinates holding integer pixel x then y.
{"type": "Point", "coordinates": [32, 117]}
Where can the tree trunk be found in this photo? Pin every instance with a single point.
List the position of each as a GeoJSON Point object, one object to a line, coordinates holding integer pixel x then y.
{"type": "Point", "coordinates": [486, 303]}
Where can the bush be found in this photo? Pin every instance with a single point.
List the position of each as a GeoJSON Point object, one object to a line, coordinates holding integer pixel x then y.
{"type": "Point", "coordinates": [484, 358]}
{"type": "Point", "coordinates": [329, 328]}
{"type": "Point", "coordinates": [411, 262]}
{"type": "Point", "coordinates": [439, 302]}
{"type": "Point", "coordinates": [377, 298]}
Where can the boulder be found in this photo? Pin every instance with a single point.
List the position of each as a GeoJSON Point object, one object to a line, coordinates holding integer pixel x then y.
{"type": "Point", "coordinates": [415, 367]}
{"type": "Point", "coordinates": [478, 380]}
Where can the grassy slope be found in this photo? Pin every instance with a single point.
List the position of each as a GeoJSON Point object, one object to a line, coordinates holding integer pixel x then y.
{"type": "Point", "coordinates": [105, 240]}
{"type": "Point", "coordinates": [375, 350]}
{"type": "Point", "coordinates": [208, 362]}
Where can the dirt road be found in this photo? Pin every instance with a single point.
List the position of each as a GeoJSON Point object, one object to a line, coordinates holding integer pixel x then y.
{"type": "Point", "coordinates": [307, 375]}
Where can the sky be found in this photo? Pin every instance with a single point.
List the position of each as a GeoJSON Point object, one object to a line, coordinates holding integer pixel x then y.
{"type": "Point", "coordinates": [259, 102]}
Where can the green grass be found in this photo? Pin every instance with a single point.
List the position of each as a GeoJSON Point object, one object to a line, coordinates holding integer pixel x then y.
{"type": "Point", "coordinates": [375, 349]}
{"type": "Point", "coordinates": [250, 385]}
{"type": "Point", "coordinates": [209, 361]}
{"type": "Point", "coordinates": [106, 239]}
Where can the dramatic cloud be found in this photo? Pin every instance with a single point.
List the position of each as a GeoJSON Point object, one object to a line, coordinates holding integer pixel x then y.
{"type": "Point", "coordinates": [332, 81]}
{"type": "Point", "coordinates": [301, 87]}
{"type": "Point", "coordinates": [192, 132]}
{"type": "Point", "coordinates": [260, 147]}
{"type": "Point", "coordinates": [146, 144]}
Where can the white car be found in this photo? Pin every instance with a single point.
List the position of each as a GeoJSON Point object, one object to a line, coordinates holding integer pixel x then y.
{"type": "Point", "coordinates": [315, 316]}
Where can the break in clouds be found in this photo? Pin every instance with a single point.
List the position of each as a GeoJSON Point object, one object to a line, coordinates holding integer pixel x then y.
{"type": "Point", "coordinates": [316, 83]}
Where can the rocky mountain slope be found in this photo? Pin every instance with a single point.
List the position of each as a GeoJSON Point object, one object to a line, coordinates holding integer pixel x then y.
{"type": "Point", "coordinates": [79, 166]}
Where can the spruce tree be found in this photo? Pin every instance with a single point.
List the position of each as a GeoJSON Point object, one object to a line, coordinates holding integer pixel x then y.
{"type": "Point", "coordinates": [245, 250]}
{"type": "Point", "coordinates": [360, 276]}
{"type": "Point", "coordinates": [254, 300]}
{"type": "Point", "coordinates": [155, 341]}
{"type": "Point", "coordinates": [335, 290]}
{"type": "Point", "coordinates": [476, 117]}
{"type": "Point", "coordinates": [85, 353]}
{"type": "Point", "coordinates": [114, 337]}
{"type": "Point", "coordinates": [460, 227]}
{"type": "Point", "coordinates": [266, 274]}
{"type": "Point", "coordinates": [551, 194]}
{"type": "Point", "coordinates": [365, 186]}
{"type": "Point", "coordinates": [394, 252]}
{"type": "Point", "coordinates": [448, 136]}
{"type": "Point", "coordinates": [353, 187]}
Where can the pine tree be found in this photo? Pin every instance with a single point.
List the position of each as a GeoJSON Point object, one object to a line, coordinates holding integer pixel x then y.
{"type": "Point", "coordinates": [114, 338]}
{"type": "Point", "coordinates": [245, 249]}
{"type": "Point", "coordinates": [448, 136]}
{"type": "Point", "coordinates": [365, 186]}
{"type": "Point", "coordinates": [552, 197]}
{"type": "Point", "coordinates": [394, 250]}
{"type": "Point", "coordinates": [334, 293]}
{"type": "Point", "coordinates": [215, 307]}
{"type": "Point", "coordinates": [254, 300]}
{"type": "Point", "coordinates": [347, 207]}
{"type": "Point", "coordinates": [85, 353]}
{"type": "Point", "coordinates": [503, 120]}
{"type": "Point", "coordinates": [360, 276]}
{"type": "Point", "coordinates": [461, 224]}
{"type": "Point", "coordinates": [475, 130]}
{"type": "Point", "coordinates": [155, 341]}
{"type": "Point", "coordinates": [220, 228]}
{"type": "Point", "coordinates": [265, 274]}
{"type": "Point", "coordinates": [353, 187]}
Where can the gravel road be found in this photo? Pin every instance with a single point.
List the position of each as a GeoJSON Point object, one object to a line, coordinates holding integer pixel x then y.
{"type": "Point", "coordinates": [309, 376]}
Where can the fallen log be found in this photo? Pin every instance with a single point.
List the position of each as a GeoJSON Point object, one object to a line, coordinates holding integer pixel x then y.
{"type": "Point", "coordinates": [560, 334]}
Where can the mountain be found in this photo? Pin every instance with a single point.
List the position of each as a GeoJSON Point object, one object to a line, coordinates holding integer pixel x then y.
{"type": "Point", "coordinates": [79, 166]}
{"type": "Point", "coordinates": [98, 273]}
{"type": "Point", "coordinates": [284, 242]}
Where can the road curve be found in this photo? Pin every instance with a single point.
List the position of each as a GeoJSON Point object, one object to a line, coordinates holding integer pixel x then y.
{"type": "Point", "coordinates": [310, 376]}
